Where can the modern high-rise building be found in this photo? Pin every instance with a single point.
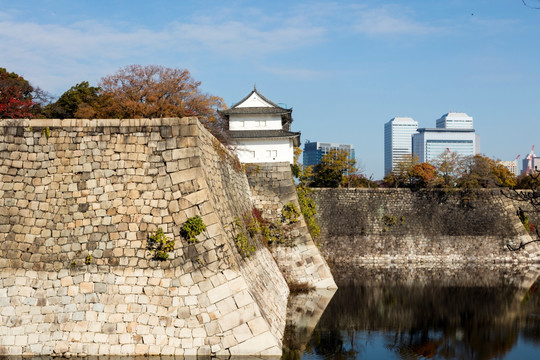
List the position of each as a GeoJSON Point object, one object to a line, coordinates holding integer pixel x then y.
{"type": "Point", "coordinates": [398, 141]}
{"type": "Point", "coordinates": [429, 144]}
{"type": "Point", "coordinates": [512, 166]}
{"type": "Point", "coordinates": [534, 165]}
{"type": "Point", "coordinates": [454, 133]}
{"type": "Point", "coordinates": [454, 120]}
{"type": "Point", "coordinates": [315, 150]}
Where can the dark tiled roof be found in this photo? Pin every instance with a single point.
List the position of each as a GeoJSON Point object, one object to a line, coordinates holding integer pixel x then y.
{"type": "Point", "coordinates": [261, 96]}
{"type": "Point", "coordinates": [256, 110]}
{"type": "Point", "coordinates": [261, 134]}
{"type": "Point", "coordinates": [286, 114]}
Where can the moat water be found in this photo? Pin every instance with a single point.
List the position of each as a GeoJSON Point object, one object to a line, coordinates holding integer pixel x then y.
{"type": "Point", "coordinates": [415, 312]}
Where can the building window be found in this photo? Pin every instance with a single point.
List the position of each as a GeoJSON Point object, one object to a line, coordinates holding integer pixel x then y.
{"type": "Point", "coordinates": [271, 154]}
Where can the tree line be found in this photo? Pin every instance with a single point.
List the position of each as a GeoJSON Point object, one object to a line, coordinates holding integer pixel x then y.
{"type": "Point", "coordinates": [336, 169]}
{"type": "Point", "coordinates": [452, 170]}
{"type": "Point", "coordinates": [449, 170]}
{"type": "Point", "coordinates": [153, 91]}
{"type": "Point", "coordinates": [134, 91]}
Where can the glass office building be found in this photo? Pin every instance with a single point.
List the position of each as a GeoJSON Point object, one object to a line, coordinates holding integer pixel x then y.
{"type": "Point", "coordinates": [454, 133]}
{"type": "Point", "coordinates": [315, 150]}
{"type": "Point", "coordinates": [429, 144]}
{"type": "Point", "coordinates": [398, 141]}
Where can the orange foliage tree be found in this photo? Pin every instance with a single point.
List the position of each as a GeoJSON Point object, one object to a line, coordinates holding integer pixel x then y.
{"type": "Point", "coordinates": [153, 91]}
{"type": "Point", "coordinates": [423, 175]}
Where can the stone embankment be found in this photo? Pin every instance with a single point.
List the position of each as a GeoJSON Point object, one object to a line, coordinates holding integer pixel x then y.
{"type": "Point", "coordinates": [383, 226]}
{"type": "Point", "coordinates": [78, 201]}
{"type": "Point", "coordinates": [272, 188]}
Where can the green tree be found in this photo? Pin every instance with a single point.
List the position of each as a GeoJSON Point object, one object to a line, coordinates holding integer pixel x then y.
{"type": "Point", "coordinates": [80, 101]}
{"type": "Point", "coordinates": [15, 96]}
{"type": "Point", "coordinates": [332, 169]}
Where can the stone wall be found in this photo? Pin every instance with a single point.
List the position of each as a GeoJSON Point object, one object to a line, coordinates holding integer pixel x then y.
{"type": "Point", "coordinates": [272, 187]}
{"type": "Point", "coordinates": [519, 200]}
{"type": "Point", "coordinates": [432, 226]}
{"type": "Point", "coordinates": [78, 200]}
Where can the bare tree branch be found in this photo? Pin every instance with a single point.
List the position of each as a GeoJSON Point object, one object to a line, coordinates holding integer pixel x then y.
{"type": "Point", "coordinates": [529, 6]}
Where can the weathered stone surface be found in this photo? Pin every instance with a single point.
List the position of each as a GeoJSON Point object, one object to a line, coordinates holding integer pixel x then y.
{"type": "Point", "coordinates": [76, 212]}
{"type": "Point", "coordinates": [430, 226]}
{"type": "Point", "coordinates": [272, 187]}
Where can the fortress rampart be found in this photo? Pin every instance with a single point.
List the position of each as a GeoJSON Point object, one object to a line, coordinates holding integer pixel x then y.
{"type": "Point", "coordinates": [431, 226]}
{"type": "Point", "coordinates": [78, 201]}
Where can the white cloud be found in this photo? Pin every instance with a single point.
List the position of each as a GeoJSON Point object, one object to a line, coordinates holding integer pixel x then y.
{"type": "Point", "coordinates": [238, 39]}
{"type": "Point", "coordinates": [41, 52]}
{"type": "Point", "coordinates": [390, 20]}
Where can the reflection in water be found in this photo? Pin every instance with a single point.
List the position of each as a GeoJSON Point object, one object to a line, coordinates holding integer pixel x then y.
{"type": "Point", "coordinates": [413, 313]}
{"type": "Point", "coordinates": [303, 314]}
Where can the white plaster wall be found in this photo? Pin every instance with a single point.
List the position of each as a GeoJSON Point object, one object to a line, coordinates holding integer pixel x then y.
{"type": "Point", "coordinates": [254, 101]}
{"type": "Point", "coordinates": [254, 122]}
{"type": "Point", "coordinates": [256, 151]}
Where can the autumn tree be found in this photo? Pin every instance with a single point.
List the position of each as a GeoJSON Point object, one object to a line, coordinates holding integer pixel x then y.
{"type": "Point", "coordinates": [409, 172]}
{"type": "Point", "coordinates": [358, 181]}
{"type": "Point", "coordinates": [15, 96]}
{"type": "Point", "coordinates": [334, 166]}
{"type": "Point", "coordinates": [154, 91]}
{"type": "Point", "coordinates": [449, 167]}
{"type": "Point", "coordinates": [479, 171]}
{"type": "Point", "coordinates": [423, 175]}
{"type": "Point", "coordinates": [504, 177]}
{"type": "Point", "coordinates": [400, 176]}
{"type": "Point", "coordinates": [528, 181]}
{"type": "Point", "coordinates": [295, 166]}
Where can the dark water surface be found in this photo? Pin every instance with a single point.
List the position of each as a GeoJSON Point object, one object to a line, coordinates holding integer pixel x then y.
{"type": "Point", "coordinates": [419, 313]}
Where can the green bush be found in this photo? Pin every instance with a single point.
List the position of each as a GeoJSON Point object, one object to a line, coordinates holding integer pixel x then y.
{"type": "Point", "coordinates": [192, 227]}
{"type": "Point", "coordinates": [244, 245]}
{"type": "Point", "coordinates": [290, 213]}
{"type": "Point", "coordinates": [389, 220]}
{"type": "Point", "coordinates": [159, 245]}
{"type": "Point", "coordinates": [309, 210]}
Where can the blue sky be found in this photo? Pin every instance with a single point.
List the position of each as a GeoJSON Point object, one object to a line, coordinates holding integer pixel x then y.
{"type": "Point", "coordinates": [346, 67]}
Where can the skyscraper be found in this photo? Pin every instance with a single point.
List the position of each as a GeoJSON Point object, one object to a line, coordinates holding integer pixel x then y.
{"type": "Point", "coordinates": [398, 141]}
{"type": "Point", "coordinates": [429, 144]}
{"type": "Point", "coordinates": [454, 120]}
{"type": "Point", "coordinates": [454, 132]}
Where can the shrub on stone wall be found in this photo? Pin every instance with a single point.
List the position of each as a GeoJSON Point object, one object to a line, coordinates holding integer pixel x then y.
{"type": "Point", "coordinates": [290, 213]}
{"type": "Point", "coordinates": [309, 210]}
{"type": "Point", "coordinates": [192, 228]}
{"type": "Point", "coordinates": [159, 245]}
{"type": "Point", "coordinates": [244, 239]}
